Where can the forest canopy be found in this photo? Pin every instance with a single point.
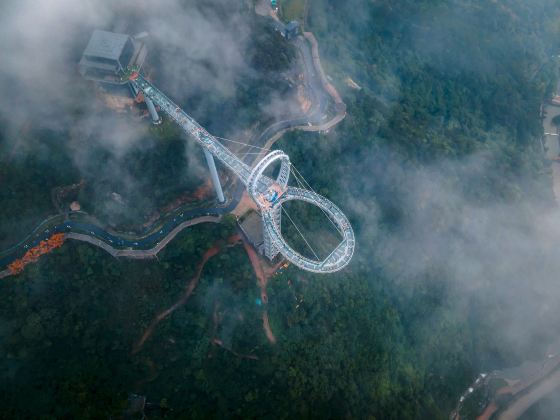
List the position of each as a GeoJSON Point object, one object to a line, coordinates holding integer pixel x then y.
{"type": "Point", "coordinates": [440, 168]}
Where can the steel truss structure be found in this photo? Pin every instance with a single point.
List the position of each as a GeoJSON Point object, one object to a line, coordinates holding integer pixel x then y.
{"type": "Point", "coordinates": [269, 194]}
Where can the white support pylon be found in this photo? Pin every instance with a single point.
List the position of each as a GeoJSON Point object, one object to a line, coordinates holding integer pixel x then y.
{"type": "Point", "coordinates": [156, 119]}
{"type": "Point", "coordinates": [214, 174]}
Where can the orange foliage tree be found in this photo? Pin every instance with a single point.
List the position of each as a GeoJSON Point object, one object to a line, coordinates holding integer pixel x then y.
{"type": "Point", "coordinates": [44, 247]}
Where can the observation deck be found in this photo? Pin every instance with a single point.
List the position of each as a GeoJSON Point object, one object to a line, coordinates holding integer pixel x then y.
{"type": "Point", "coordinates": [267, 193]}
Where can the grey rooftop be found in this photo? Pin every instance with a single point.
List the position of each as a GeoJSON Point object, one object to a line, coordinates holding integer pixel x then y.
{"type": "Point", "coordinates": [292, 25]}
{"type": "Point", "coordinates": [106, 44]}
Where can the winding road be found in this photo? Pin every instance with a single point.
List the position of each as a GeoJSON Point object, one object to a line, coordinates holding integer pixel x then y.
{"type": "Point", "coordinates": [147, 246]}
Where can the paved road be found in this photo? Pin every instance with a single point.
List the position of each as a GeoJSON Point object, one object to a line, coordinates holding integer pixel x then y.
{"type": "Point", "coordinates": [143, 253]}
{"type": "Point", "coordinates": [98, 233]}
{"type": "Point", "coordinates": [516, 408]}
{"type": "Point", "coordinates": [319, 99]}
{"type": "Point", "coordinates": [313, 120]}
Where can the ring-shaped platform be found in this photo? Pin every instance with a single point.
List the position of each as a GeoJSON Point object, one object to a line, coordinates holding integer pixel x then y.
{"type": "Point", "coordinates": [337, 259]}
{"type": "Point", "coordinates": [256, 179]}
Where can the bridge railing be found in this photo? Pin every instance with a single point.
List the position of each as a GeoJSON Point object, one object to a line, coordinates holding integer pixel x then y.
{"type": "Point", "coordinates": [205, 139]}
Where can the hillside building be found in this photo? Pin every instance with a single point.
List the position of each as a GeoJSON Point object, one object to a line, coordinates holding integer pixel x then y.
{"type": "Point", "coordinates": [291, 30]}
{"type": "Point", "coordinates": [108, 53]}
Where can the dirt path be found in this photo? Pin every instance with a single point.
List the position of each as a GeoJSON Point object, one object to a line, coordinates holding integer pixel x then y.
{"type": "Point", "coordinates": [523, 403]}
{"type": "Point", "coordinates": [262, 275]}
{"type": "Point", "coordinates": [245, 204]}
{"type": "Point", "coordinates": [319, 67]}
{"type": "Point", "coordinates": [488, 411]}
{"type": "Point", "coordinates": [211, 252]}
{"type": "Point", "coordinates": [218, 342]}
{"type": "Point", "coordinates": [262, 278]}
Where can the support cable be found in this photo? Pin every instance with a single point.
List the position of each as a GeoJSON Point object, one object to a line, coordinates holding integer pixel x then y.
{"type": "Point", "coordinates": [300, 185]}
{"type": "Point", "coordinates": [301, 234]}
{"type": "Point", "coordinates": [245, 154]}
{"type": "Point", "coordinates": [298, 173]}
{"type": "Point", "coordinates": [244, 144]}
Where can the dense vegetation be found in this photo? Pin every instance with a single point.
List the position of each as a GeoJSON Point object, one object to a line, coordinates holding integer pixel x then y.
{"type": "Point", "coordinates": [450, 95]}
{"type": "Point", "coordinates": [378, 340]}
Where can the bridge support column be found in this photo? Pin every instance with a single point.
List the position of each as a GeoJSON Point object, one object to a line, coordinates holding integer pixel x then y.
{"type": "Point", "coordinates": [270, 248]}
{"type": "Point", "coordinates": [156, 119]}
{"type": "Point", "coordinates": [214, 175]}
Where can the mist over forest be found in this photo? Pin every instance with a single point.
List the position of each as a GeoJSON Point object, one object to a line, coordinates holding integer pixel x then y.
{"type": "Point", "coordinates": [439, 165]}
